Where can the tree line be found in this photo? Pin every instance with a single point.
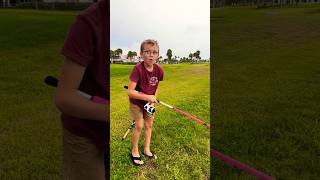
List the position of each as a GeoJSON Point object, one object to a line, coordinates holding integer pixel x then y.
{"type": "Point", "coordinates": [258, 3]}
{"type": "Point", "coordinates": [114, 54]}
{"type": "Point", "coordinates": [170, 58]}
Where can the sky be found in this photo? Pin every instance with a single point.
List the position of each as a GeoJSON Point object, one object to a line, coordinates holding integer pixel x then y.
{"type": "Point", "coordinates": [181, 25]}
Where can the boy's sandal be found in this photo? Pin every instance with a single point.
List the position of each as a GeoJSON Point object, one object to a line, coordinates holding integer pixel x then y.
{"type": "Point", "coordinates": [135, 158]}
{"type": "Point", "coordinates": [153, 156]}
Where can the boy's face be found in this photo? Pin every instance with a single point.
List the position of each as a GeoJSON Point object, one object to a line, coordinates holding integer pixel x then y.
{"type": "Point", "coordinates": [150, 54]}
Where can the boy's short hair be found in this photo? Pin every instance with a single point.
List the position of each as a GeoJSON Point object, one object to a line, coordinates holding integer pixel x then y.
{"type": "Point", "coordinates": [149, 41]}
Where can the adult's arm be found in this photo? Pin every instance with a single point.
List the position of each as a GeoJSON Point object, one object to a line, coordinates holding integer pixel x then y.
{"type": "Point", "coordinates": [69, 101]}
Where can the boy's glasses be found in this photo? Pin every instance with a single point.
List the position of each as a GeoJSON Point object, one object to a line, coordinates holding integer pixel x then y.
{"type": "Point", "coordinates": [155, 53]}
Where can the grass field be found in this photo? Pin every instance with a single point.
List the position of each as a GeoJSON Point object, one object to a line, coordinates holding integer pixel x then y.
{"type": "Point", "coordinates": [181, 144]}
{"type": "Point", "coordinates": [30, 130]}
{"type": "Point", "coordinates": [266, 90]}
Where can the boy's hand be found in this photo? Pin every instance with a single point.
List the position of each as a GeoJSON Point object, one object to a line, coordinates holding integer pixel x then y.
{"type": "Point", "coordinates": [151, 99]}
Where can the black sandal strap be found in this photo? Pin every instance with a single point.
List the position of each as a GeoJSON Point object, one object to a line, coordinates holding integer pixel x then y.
{"type": "Point", "coordinates": [136, 158]}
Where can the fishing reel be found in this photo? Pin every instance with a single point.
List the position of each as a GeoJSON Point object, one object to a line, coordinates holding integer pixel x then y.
{"type": "Point", "coordinates": [149, 108]}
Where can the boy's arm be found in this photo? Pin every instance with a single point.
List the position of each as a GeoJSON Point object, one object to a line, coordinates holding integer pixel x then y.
{"type": "Point", "coordinates": [156, 92]}
{"type": "Point", "coordinates": [132, 93]}
{"type": "Point", "coordinates": [69, 101]}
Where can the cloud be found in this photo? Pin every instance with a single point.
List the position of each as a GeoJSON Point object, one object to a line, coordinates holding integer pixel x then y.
{"type": "Point", "coordinates": [181, 25]}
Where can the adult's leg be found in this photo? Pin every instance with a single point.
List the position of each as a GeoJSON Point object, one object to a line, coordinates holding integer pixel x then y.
{"type": "Point", "coordinates": [107, 154]}
{"type": "Point", "coordinates": [82, 160]}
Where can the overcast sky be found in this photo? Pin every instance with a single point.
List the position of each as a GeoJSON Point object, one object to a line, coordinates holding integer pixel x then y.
{"type": "Point", "coordinates": [181, 25]}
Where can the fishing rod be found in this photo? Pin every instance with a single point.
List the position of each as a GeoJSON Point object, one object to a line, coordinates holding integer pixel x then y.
{"type": "Point", "coordinates": [251, 170]}
{"type": "Point", "coordinates": [225, 158]}
{"type": "Point", "coordinates": [128, 130]}
{"type": "Point", "coordinates": [181, 112]}
{"type": "Point", "coordinates": [52, 81]}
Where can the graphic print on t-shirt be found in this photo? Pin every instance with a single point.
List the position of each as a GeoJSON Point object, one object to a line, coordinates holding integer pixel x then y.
{"type": "Point", "coordinates": [153, 81]}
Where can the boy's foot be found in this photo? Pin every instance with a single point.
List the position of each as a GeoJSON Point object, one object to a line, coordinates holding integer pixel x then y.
{"type": "Point", "coordinates": [136, 160]}
{"type": "Point", "coordinates": [150, 155]}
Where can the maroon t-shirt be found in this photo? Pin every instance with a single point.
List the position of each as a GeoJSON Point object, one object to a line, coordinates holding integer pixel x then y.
{"type": "Point", "coordinates": [88, 45]}
{"type": "Point", "coordinates": [147, 82]}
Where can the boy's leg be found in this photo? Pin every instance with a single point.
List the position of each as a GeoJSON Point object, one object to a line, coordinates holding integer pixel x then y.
{"type": "Point", "coordinates": [147, 133]}
{"type": "Point", "coordinates": [82, 160]}
{"type": "Point", "coordinates": [137, 115]}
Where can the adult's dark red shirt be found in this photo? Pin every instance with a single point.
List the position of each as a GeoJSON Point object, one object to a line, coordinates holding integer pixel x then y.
{"type": "Point", "coordinates": [88, 45]}
{"type": "Point", "coordinates": [147, 82]}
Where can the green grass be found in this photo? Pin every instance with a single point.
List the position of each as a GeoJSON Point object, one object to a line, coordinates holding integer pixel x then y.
{"type": "Point", "coordinates": [181, 144]}
{"type": "Point", "coordinates": [266, 91]}
{"type": "Point", "coordinates": [30, 130]}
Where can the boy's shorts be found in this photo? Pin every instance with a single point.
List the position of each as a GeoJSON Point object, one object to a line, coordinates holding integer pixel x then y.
{"type": "Point", "coordinates": [137, 113]}
{"type": "Point", "coordinates": [82, 160]}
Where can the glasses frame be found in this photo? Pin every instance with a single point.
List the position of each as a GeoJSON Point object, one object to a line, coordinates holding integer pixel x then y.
{"type": "Point", "coordinates": [155, 53]}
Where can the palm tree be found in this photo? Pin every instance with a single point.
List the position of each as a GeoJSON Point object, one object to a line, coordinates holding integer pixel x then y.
{"type": "Point", "coordinates": [118, 52]}
{"type": "Point", "coordinates": [169, 55]}
{"type": "Point", "coordinates": [131, 54]}
{"type": "Point", "coordinates": [190, 56]}
{"type": "Point", "coordinates": [134, 54]}
{"type": "Point", "coordinates": [197, 54]}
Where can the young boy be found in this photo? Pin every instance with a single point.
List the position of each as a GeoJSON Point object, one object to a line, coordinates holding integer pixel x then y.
{"type": "Point", "coordinates": [144, 78]}
{"type": "Point", "coordinates": [85, 123]}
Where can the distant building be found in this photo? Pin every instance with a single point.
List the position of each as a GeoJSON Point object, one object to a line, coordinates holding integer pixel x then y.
{"type": "Point", "coordinates": [195, 60]}
{"type": "Point", "coordinates": [124, 59]}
